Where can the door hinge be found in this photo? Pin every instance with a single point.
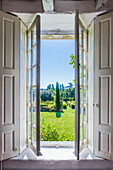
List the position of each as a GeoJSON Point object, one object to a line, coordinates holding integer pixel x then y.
{"type": "Point", "coordinates": [95, 105]}
{"type": "Point", "coordinates": [15, 149]}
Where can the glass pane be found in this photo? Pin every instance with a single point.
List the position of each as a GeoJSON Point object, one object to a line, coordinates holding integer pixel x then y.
{"type": "Point", "coordinates": [34, 136]}
{"type": "Point", "coordinates": [80, 96]}
{"type": "Point", "coordinates": [80, 40]}
{"type": "Point", "coordinates": [29, 77]}
{"type": "Point", "coordinates": [85, 91]}
{"type": "Point", "coordinates": [85, 59]}
{"type": "Point", "coordinates": [29, 42]}
{"type": "Point", "coordinates": [80, 57]}
{"type": "Point", "coordinates": [29, 131]}
{"type": "Point", "coordinates": [84, 131]}
{"type": "Point", "coordinates": [29, 56]}
{"type": "Point", "coordinates": [80, 81]}
{"type": "Point", "coordinates": [85, 77]}
{"type": "Point", "coordinates": [29, 96]}
{"type": "Point", "coordinates": [80, 76]}
{"type": "Point", "coordinates": [84, 42]}
{"type": "Point", "coordinates": [29, 114]}
{"type": "Point", "coordinates": [34, 36]}
{"type": "Point", "coordinates": [34, 116]}
{"type": "Point", "coordinates": [34, 76]}
{"type": "Point", "coordinates": [34, 96]}
{"type": "Point", "coordinates": [80, 72]}
{"type": "Point", "coordinates": [34, 56]}
{"type": "Point", "coordinates": [84, 114]}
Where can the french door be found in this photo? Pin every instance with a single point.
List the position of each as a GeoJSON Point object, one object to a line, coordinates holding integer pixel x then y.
{"type": "Point", "coordinates": [33, 84]}
{"type": "Point", "coordinates": [81, 86]}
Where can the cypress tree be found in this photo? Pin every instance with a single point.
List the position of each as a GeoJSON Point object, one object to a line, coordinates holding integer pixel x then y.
{"type": "Point", "coordinates": [58, 104]}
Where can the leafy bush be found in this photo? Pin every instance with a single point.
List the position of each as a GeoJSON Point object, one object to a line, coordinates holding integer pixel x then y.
{"type": "Point", "coordinates": [72, 104]}
{"type": "Point", "coordinates": [47, 106]}
{"type": "Point", "coordinates": [64, 105]}
{"type": "Point", "coordinates": [51, 132]}
{"type": "Point", "coordinates": [69, 103]}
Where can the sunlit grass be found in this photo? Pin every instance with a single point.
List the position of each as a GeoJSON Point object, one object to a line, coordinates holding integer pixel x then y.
{"type": "Point", "coordinates": [64, 124]}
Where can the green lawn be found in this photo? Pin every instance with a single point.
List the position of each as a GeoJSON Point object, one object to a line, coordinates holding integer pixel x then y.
{"type": "Point", "coordinates": [64, 124]}
{"type": "Point", "coordinates": [58, 129]}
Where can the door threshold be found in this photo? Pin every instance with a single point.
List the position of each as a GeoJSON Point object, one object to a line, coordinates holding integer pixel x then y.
{"type": "Point", "coordinates": [53, 153]}
{"type": "Point", "coordinates": [70, 144]}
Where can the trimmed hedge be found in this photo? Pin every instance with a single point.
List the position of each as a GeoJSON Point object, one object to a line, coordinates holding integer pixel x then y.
{"type": "Point", "coordinates": [47, 106]}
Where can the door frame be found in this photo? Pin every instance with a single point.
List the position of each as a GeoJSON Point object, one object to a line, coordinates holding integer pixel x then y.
{"type": "Point", "coordinates": [79, 24]}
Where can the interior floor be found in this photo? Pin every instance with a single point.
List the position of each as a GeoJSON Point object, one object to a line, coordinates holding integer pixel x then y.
{"type": "Point", "coordinates": [53, 153]}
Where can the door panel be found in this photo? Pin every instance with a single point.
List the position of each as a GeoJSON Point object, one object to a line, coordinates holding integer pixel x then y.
{"type": "Point", "coordinates": [9, 86]}
{"type": "Point", "coordinates": [103, 108]}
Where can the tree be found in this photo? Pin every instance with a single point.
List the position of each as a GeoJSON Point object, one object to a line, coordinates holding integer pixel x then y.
{"type": "Point", "coordinates": [47, 95]}
{"type": "Point", "coordinates": [70, 85]}
{"type": "Point", "coordinates": [62, 87]}
{"type": "Point", "coordinates": [49, 87]}
{"type": "Point", "coordinates": [58, 104]}
{"type": "Point", "coordinates": [53, 87]}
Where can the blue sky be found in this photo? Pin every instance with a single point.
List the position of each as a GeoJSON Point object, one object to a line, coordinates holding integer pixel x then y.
{"type": "Point", "coordinates": [55, 58]}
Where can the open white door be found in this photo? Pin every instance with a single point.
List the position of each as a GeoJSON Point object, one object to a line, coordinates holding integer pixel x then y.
{"type": "Point", "coordinates": [103, 95]}
{"type": "Point", "coordinates": [9, 86]}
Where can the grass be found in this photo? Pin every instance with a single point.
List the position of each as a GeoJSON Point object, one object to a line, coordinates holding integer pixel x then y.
{"type": "Point", "coordinates": [65, 124]}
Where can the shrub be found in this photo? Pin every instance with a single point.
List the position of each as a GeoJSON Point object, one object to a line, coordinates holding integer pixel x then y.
{"type": "Point", "coordinates": [69, 103]}
{"type": "Point", "coordinates": [72, 104]}
{"type": "Point", "coordinates": [64, 105]}
{"type": "Point", "coordinates": [47, 106]}
{"type": "Point", "coordinates": [49, 131]}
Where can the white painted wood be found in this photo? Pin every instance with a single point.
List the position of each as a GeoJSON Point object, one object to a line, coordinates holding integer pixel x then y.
{"type": "Point", "coordinates": [23, 60]}
{"type": "Point", "coordinates": [9, 86]}
{"type": "Point", "coordinates": [48, 6]}
{"type": "Point", "coordinates": [103, 96]}
{"type": "Point", "coordinates": [90, 85]}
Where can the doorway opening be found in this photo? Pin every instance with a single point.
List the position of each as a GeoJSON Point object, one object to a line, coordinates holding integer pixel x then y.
{"type": "Point", "coordinates": [57, 51]}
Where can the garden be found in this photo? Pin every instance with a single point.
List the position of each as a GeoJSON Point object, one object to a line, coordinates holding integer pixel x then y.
{"type": "Point", "coordinates": [57, 116]}
{"type": "Point", "coordinates": [57, 111]}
